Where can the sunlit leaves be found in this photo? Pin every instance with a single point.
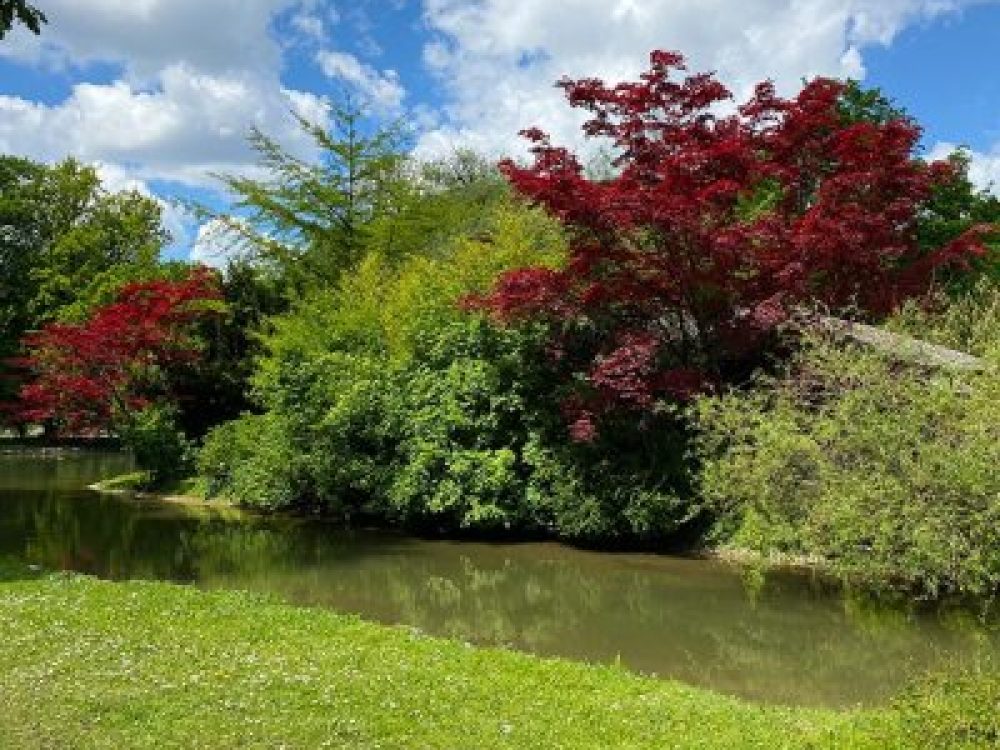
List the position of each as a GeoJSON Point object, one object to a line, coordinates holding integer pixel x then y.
{"type": "Point", "coordinates": [712, 228]}
{"type": "Point", "coordinates": [93, 375]}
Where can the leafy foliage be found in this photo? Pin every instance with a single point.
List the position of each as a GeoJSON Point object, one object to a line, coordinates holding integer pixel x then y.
{"type": "Point", "coordinates": [386, 400]}
{"type": "Point", "coordinates": [66, 245]}
{"type": "Point", "coordinates": [254, 460]}
{"type": "Point", "coordinates": [218, 389]}
{"type": "Point", "coordinates": [312, 219]}
{"type": "Point", "coordinates": [157, 444]}
{"type": "Point", "coordinates": [968, 322]}
{"type": "Point", "coordinates": [338, 352]}
{"type": "Point", "coordinates": [98, 374]}
{"type": "Point", "coordinates": [887, 474]}
{"type": "Point", "coordinates": [957, 206]}
{"type": "Point", "coordinates": [712, 228]}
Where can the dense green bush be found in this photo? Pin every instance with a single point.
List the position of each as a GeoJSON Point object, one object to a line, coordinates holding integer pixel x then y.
{"type": "Point", "coordinates": [482, 445]}
{"type": "Point", "coordinates": [157, 443]}
{"type": "Point", "coordinates": [252, 458]}
{"type": "Point", "coordinates": [336, 376]}
{"type": "Point", "coordinates": [462, 436]}
{"type": "Point", "coordinates": [389, 401]}
{"type": "Point", "coordinates": [886, 473]}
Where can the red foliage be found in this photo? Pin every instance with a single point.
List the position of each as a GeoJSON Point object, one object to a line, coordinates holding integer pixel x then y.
{"type": "Point", "coordinates": [714, 228]}
{"type": "Point", "coordinates": [84, 377]}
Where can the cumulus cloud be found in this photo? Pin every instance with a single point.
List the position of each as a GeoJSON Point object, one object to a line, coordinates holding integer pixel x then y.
{"type": "Point", "coordinates": [190, 125]}
{"type": "Point", "coordinates": [381, 88]}
{"type": "Point", "coordinates": [216, 245]}
{"type": "Point", "coordinates": [498, 59]}
{"type": "Point", "coordinates": [146, 36]}
{"type": "Point", "coordinates": [194, 76]}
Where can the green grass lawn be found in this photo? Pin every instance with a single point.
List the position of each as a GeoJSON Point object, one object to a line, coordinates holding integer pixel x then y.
{"type": "Point", "coordinates": [91, 664]}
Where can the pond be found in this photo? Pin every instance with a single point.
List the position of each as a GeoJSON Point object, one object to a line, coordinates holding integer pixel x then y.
{"type": "Point", "coordinates": [788, 640]}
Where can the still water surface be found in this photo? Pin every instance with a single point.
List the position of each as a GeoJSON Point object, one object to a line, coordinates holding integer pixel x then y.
{"type": "Point", "coordinates": [791, 640]}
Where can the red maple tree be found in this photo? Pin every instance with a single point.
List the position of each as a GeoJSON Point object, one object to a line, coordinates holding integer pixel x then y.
{"type": "Point", "coordinates": [713, 228]}
{"type": "Point", "coordinates": [94, 375]}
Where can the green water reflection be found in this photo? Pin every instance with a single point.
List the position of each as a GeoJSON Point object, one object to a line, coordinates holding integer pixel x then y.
{"type": "Point", "coordinates": [790, 641]}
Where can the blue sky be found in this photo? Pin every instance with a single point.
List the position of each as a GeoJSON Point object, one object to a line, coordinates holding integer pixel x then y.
{"type": "Point", "coordinates": [161, 93]}
{"type": "Point", "coordinates": [947, 74]}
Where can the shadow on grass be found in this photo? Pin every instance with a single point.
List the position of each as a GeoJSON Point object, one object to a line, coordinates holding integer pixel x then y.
{"type": "Point", "coordinates": [12, 569]}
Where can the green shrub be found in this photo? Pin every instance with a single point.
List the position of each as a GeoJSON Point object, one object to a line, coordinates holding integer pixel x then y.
{"type": "Point", "coordinates": [460, 408]}
{"type": "Point", "coordinates": [253, 460]}
{"type": "Point", "coordinates": [157, 443]}
{"type": "Point", "coordinates": [969, 323]}
{"type": "Point", "coordinates": [386, 399]}
{"type": "Point", "coordinates": [483, 446]}
{"type": "Point", "coordinates": [886, 473]}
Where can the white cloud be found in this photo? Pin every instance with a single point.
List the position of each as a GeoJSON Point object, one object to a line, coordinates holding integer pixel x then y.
{"type": "Point", "coordinates": [195, 76]}
{"type": "Point", "coordinates": [984, 171]}
{"type": "Point", "coordinates": [216, 244]}
{"type": "Point", "coordinates": [382, 89]}
{"type": "Point", "coordinates": [146, 36]}
{"type": "Point", "coordinates": [852, 64]}
{"type": "Point", "coordinates": [117, 180]}
{"type": "Point", "coordinates": [984, 168]}
{"type": "Point", "coordinates": [310, 26]}
{"type": "Point", "coordinates": [498, 59]}
{"type": "Point", "coordinates": [436, 56]}
{"type": "Point", "coordinates": [191, 124]}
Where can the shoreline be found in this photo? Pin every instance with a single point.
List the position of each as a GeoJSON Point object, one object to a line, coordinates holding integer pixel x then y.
{"type": "Point", "coordinates": [735, 557]}
{"type": "Point", "coordinates": [306, 672]}
{"type": "Point", "coordinates": [747, 561]}
{"type": "Point", "coordinates": [162, 497]}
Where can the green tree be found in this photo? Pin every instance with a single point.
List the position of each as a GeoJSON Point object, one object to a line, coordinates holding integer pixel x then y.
{"type": "Point", "coordinates": [444, 198]}
{"type": "Point", "coordinates": [860, 104]}
{"type": "Point", "coordinates": [218, 388]}
{"type": "Point", "coordinates": [956, 204]}
{"type": "Point", "coordinates": [66, 245]}
{"type": "Point", "coordinates": [312, 219]}
{"type": "Point", "coordinates": [19, 11]}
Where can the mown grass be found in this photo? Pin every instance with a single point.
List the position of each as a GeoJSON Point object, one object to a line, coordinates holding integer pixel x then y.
{"type": "Point", "coordinates": [91, 664]}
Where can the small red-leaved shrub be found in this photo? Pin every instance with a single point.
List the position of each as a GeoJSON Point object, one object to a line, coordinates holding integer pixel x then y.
{"type": "Point", "coordinates": [82, 377]}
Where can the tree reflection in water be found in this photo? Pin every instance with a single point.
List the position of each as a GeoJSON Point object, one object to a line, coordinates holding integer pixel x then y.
{"type": "Point", "coordinates": [791, 640]}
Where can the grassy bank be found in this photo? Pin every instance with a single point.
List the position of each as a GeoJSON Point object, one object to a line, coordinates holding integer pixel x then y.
{"type": "Point", "coordinates": [138, 484]}
{"type": "Point", "coordinates": [90, 664]}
